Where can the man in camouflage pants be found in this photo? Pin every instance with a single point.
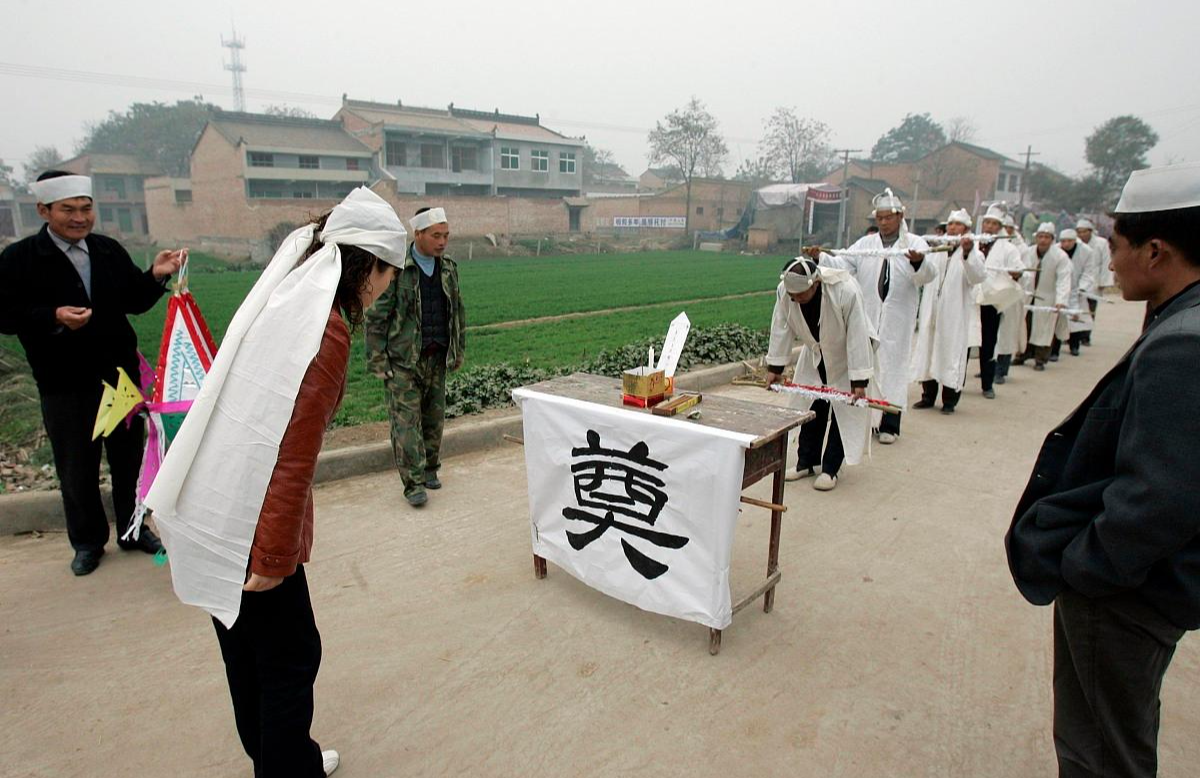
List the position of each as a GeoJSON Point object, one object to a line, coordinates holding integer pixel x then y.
{"type": "Point", "coordinates": [416, 334]}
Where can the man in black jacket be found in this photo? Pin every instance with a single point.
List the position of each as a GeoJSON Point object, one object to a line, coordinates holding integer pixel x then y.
{"type": "Point", "coordinates": [1108, 528]}
{"type": "Point", "coordinates": [66, 292]}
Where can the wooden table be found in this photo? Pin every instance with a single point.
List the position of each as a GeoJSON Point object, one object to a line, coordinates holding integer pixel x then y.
{"type": "Point", "coordinates": [767, 455]}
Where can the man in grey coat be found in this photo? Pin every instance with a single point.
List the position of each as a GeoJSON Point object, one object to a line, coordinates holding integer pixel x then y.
{"type": "Point", "coordinates": [1108, 528]}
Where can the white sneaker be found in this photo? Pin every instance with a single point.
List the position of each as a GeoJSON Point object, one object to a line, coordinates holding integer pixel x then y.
{"type": "Point", "coordinates": [825, 482]}
{"type": "Point", "coordinates": [330, 761]}
{"type": "Point", "coordinates": [796, 475]}
{"type": "Point", "coordinates": [887, 438]}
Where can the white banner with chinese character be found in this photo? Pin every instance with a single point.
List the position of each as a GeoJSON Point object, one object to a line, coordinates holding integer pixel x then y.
{"type": "Point", "coordinates": [640, 507]}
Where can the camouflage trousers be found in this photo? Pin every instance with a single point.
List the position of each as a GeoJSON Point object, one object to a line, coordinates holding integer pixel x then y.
{"type": "Point", "coordinates": [417, 407]}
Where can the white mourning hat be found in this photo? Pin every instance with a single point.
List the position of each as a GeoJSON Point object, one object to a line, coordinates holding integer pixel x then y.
{"type": "Point", "coordinates": [886, 201]}
{"type": "Point", "coordinates": [960, 217]}
{"type": "Point", "coordinates": [799, 275]}
{"type": "Point", "coordinates": [995, 211]}
{"type": "Point", "coordinates": [1166, 188]}
{"type": "Point", "coordinates": [1009, 221]}
{"type": "Point", "coordinates": [58, 188]}
{"type": "Point", "coordinates": [1084, 224]}
{"type": "Point", "coordinates": [1068, 234]}
{"type": "Point", "coordinates": [1047, 228]}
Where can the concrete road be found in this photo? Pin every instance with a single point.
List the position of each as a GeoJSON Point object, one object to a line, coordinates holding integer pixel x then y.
{"type": "Point", "coordinates": [898, 645]}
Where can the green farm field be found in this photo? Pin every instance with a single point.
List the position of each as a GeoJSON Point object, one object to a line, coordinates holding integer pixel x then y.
{"type": "Point", "coordinates": [501, 291]}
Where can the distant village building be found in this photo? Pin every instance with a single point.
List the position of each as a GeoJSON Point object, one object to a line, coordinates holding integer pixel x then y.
{"type": "Point", "coordinates": [655, 179]}
{"type": "Point", "coordinates": [609, 178]}
{"type": "Point", "coordinates": [458, 151]}
{"type": "Point", "coordinates": [118, 186]}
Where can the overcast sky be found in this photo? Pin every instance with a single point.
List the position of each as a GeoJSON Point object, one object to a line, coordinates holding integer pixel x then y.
{"type": "Point", "coordinates": [1040, 73]}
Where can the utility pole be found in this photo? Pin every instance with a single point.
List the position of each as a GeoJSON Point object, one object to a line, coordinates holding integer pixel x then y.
{"type": "Point", "coordinates": [1029, 152]}
{"type": "Point", "coordinates": [235, 66]}
{"type": "Point", "coordinates": [841, 241]}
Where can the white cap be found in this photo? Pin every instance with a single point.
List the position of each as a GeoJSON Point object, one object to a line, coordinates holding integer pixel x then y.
{"type": "Point", "coordinates": [995, 212]}
{"type": "Point", "coordinates": [1009, 221]}
{"type": "Point", "coordinates": [1068, 234]}
{"type": "Point", "coordinates": [61, 188]}
{"type": "Point", "coordinates": [1166, 188]}
{"type": "Point", "coordinates": [887, 202]}
{"type": "Point", "coordinates": [799, 275]}
{"type": "Point", "coordinates": [1084, 224]}
{"type": "Point", "coordinates": [1047, 228]}
{"type": "Point", "coordinates": [426, 219]}
{"type": "Point", "coordinates": [960, 217]}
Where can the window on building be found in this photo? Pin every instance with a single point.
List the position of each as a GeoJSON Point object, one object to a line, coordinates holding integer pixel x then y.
{"type": "Point", "coordinates": [262, 159]}
{"type": "Point", "coordinates": [308, 162]}
{"type": "Point", "coordinates": [183, 195]}
{"type": "Point", "coordinates": [566, 162]}
{"type": "Point", "coordinates": [539, 161]}
{"type": "Point", "coordinates": [1014, 182]}
{"type": "Point", "coordinates": [699, 210]}
{"type": "Point", "coordinates": [720, 212]}
{"type": "Point", "coordinates": [115, 185]}
{"type": "Point", "coordinates": [1002, 184]}
{"type": "Point", "coordinates": [432, 155]}
{"type": "Point", "coordinates": [395, 151]}
{"type": "Point", "coordinates": [352, 163]}
{"type": "Point", "coordinates": [124, 220]}
{"type": "Point", "coordinates": [265, 189]}
{"type": "Point", "coordinates": [464, 158]}
{"type": "Point", "coordinates": [510, 158]}
{"type": "Point", "coordinates": [135, 184]}
{"type": "Point", "coordinates": [106, 213]}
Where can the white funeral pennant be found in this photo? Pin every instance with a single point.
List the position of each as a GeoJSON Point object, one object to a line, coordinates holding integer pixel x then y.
{"type": "Point", "coordinates": [637, 506]}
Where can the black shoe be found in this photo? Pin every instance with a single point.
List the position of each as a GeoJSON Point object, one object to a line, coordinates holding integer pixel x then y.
{"type": "Point", "coordinates": [417, 499]}
{"type": "Point", "coordinates": [989, 394]}
{"type": "Point", "coordinates": [1040, 366]}
{"type": "Point", "coordinates": [147, 541]}
{"type": "Point", "coordinates": [947, 409]}
{"type": "Point", "coordinates": [432, 482]}
{"type": "Point", "coordinates": [86, 561]}
{"type": "Point", "coordinates": [1001, 379]}
{"type": "Point", "coordinates": [1054, 357]}
{"type": "Point", "coordinates": [1018, 361]}
{"type": "Point", "coordinates": [1075, 351]}
{"type": "Point", "coordinates": [924, 402]}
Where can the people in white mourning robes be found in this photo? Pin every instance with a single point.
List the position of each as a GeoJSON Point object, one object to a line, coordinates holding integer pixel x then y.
{"type": "Point", "coordinates": [1051, 288]}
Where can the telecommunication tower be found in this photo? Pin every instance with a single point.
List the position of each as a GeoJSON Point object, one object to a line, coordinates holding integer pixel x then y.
{"type": "Point", "coordinates": [235, 66]}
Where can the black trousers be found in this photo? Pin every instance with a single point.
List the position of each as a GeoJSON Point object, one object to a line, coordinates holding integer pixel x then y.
{"type": "Point", "coordinates": [890, 423]}
{"type": "Point", "coordinates": [989, 322]}
{"type": "Point", "coordinates": [272, 655]}
{"type": "Point", "coordinates": [812, 435]}
{"type": "Point", "coordinates": [1110, 656]}
{"type": "Point", "coordinates": [929, 391]}
{"type": "Point", "coordinates": [69, 418]}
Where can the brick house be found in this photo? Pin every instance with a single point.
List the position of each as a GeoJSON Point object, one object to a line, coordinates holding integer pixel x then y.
{"type": "Point", "coordinates": [118, 183]}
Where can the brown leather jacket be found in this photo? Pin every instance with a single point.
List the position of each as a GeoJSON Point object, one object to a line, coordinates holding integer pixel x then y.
{"type": "Point", "coordinates": [285, 525]}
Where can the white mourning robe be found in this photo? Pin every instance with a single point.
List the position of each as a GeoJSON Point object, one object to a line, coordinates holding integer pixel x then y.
{"type": "Point", "coordinates": [1104, 275]}
{"type": "Point", "coordinates": [895, 318]}
{"type": "Point", "coordinates": [1053, 287]}
{"type": "Point", "coordinates": [848, 346]}
{"type": "Point", "coordinates": [1083, 281]}
{"type": "Point", "coordinates": [944, 323]}
{"type": "Point", "coordinates": [1003, 258]}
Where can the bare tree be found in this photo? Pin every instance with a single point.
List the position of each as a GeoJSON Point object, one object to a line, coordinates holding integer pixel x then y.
{"type": "Point", "coordinates": [289, 111]}
{"type": "Point", "coordinates": [689, 140]}
{"type": "Point", "coordinates": [798, 148]}
{"type": "Point", "coordinates": [42, 159]}
{"type": "Point", "coordinates": [961, 128]}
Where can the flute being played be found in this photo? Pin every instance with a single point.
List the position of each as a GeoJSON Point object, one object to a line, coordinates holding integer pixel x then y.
{"type": "Point", "coordinates": [1055, 309]}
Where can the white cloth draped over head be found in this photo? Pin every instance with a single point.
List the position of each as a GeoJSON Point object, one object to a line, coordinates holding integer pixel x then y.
{"type": "Point", "coordinates": [1068, 234]}
{"type": "Point", "coordinates": [887, 201]}
{"type": "Point", "coordinates": [61, 188]}
{"type": "Point", "coordinates": [426, 219]}
{"type": "Point", "coordinates": [1165, 188]}
{"type": "Point", "coordinates": [209, 492]}
{"type": "Point", "coordinates": [1084, 224]}
{"type": "Point", "coordinates": [1047, 228]}
{"type": "Point", "coordinates": [959, 217]}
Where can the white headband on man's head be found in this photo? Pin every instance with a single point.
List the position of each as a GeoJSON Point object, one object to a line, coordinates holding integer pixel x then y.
{"type": "Point", "coordinates": [61, 188]}
{"type": "Point", "coordinates": [1047, 228]}
{"type": "Point", "coordinates": [799, 276]}
{"type": "Point", "coordinates": [1068, 234]}
{"type": "Point", "coordinates": [959, 217]}
{"type": "Point", "coordinates": [426, 219]}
